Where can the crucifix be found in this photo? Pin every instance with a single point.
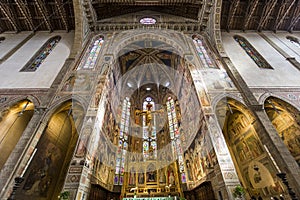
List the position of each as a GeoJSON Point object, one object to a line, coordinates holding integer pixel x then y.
{"type": "Point", "coordinates": [148, 114]}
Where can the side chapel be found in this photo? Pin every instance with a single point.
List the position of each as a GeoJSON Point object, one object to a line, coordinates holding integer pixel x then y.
{"type": "Point", "coordinates": [144, 99]}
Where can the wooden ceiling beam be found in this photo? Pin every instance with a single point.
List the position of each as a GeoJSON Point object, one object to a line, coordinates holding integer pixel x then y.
{"type": "Point", "coordinates": [232, 10]}
{"type": "Point", "coordinates": [252, 5]}
{"type": "Point", "coordinates": [295, 17]}
{"type": "Point", "coordinates": [284, 9]}
{"type": "Point", "coordinates": [268, 8]}
{"type": "Point", "coordinates": [9, 15]}
{"type": "Point", "coordinates": [25, 12]}
{"type": "Point", "coordinates": [62, 12]}
{"type": "Point", "coordinates": [43, 10]}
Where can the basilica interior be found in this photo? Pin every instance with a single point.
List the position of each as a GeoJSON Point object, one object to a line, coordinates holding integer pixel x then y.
{"type": "Point", "coordinates": [149, 99]}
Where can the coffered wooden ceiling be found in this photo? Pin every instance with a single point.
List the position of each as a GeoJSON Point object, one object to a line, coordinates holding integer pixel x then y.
{"type": "Point", "coordinates": [35, 15]}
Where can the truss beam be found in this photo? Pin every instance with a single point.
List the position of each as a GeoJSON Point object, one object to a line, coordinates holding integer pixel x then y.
{"type": "Point", "coordinates": [43, 10]}
{"type": "Point", "coordinates": [9, 15]}
{"type": "Point", "coordinates": [295, 18]}
{"type": "Point", "coordinates": [269, 6]}
{"type": "Point", "coordinates": [62, 13]}
{"type": "Point", "coordinates": [251, 8]}
{"type": "Point", "coordinates": [25, 12]}
{"type": "Point", "coordinates": [283, 11]}
{"type": "Point", "coordinates": [232, 10]}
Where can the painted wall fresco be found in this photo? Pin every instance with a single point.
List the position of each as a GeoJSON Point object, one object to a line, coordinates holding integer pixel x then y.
{"type": "Point", "coordinates": [256, 170]}
{"type": "Point", "coordinates": [200, 158]}
{"type": "Point", "coordinates": [286, 120]}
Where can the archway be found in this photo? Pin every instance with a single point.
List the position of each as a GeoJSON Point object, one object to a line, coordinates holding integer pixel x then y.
{"type": "Point", "coordinates": [253, 163]}
{"type": "Point", "coordinates": [136, 155]}
{"type": "Point", "coordinates": [13, 121]}
{"type": "Point", "coordinates": [286, 120]}
{"type": "Point", "coordinates": [44, 177]}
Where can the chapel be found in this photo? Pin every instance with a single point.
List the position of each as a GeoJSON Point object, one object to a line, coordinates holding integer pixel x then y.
{"type": "Point", "coordinates": [149, 99]}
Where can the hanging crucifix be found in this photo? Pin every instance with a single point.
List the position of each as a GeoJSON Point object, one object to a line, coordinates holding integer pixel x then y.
{"type": "Point", "coordinates": [148, 114]}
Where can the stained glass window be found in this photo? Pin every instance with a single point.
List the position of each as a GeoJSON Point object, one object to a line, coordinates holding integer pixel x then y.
{"type": "Point", "coordinates": [2, 39]}
{"type": "Point", "coordinates": [203, 54]}
{"type": "Point", "coordinates": [293, 40]}
{"type": "Point", "coordinates": [123, 143]}
{"type": "Point", "coordinates": [39, 57]}
{"type": "Point", "coordinates": [149, 143]}
{"type": "Point", "coordinates": [175, 135]}
{"type": "Point", "coordinates": [251, 51]}
{"type": "Point", "coordinates": [90, 59]}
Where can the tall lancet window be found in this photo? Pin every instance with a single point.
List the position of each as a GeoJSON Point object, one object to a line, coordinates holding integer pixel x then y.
{"type": "Point", "coordinates": [2, 39]}
{"type": "Point", "coordinates": [149, 132]}
{"type": "Point", "coordinates": [39, 57]}
{"type": "Point", "coordinates": [123, 142]}
{"type": "Point", "coordinates": [293, 40]}
{"type": "Point", "coordinates": [175, 135]}
{"type": "Point", "coordinates": [251, 51]}
{"type": "Point", "coordinates": [203, 54]}
{"type": "Point", "coordinates": [90, 59]}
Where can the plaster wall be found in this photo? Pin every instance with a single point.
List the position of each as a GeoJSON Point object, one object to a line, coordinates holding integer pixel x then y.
{"type": "Point", "coordinates": [10, 74]}
{"type": "Point", "coordinates": [11, 41]}
{"type": "Point", "coordinates": [283, 75]}
{"type": "Point", "coordinates": [280, 40]}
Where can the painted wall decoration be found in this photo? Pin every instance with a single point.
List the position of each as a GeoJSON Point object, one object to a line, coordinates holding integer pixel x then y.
{"type": "Point", "coordinates": [200, 158]}
{"type": "Point", "coordinates": [45, 175]}
{"type": "Point", "coordinates": [285, 119]}
{"type": "Point", "coordinates": [255, 168]}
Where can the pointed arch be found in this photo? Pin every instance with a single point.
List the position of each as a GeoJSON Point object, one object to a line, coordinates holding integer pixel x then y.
{"type": "Point", "coordinates": [250, 156]}
{"type": "Point", "coordinates": [13, 121]}
{"type": "Point", "coordinates": [203, 53]}
{"type": "Point", "coordinates": [252, 52]}
{"type": "Point", "coordinates": [2, 39]}
{"type": "Point", "coordinates": [293, 40]}
{"type": "Point", "coordinates": [122, 142]}
{"type": "Point", "coordinates": [35, 62]}
{"type": "Point", "coordinates": [91, 56]}
{"type": "Point", "coordinates": [52, 154]}
{"type": "Point", "coordinates": [286, 120]}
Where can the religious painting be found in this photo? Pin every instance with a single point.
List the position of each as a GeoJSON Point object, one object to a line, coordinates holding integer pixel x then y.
{"type": "Point", "coordinates": [141, 178]}
{"type": "Point", "coordinates": [151, 174]}
{"type": "Point", "coordinates": [200, 158]}
{"type": "Point", "coordinates": [132, 176]}
{"type": "Point", "coordinates": [53, 154]}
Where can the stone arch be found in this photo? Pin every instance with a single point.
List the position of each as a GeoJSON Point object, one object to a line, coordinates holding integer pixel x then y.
{"type": "Point", "coordinates": [255, 168]}
{"type": "Point", "coordinates": [52, 154]}
{"type": "Point", "coordinates": [35, 100]}
{"type": "Point", "coordinates": [78, 38]}
{"type": "Point", "coordinates": [219, 97]}
{"type": "Point", "coordinates": [14, 119]}
{"type": "Point", "coordinates": [286, 120]}
{"type": "Point", "coordinates": [136, 35]}
{"type": "Point", "coordinates": [266, 95]}
{"type": "Point", "coordinates": [52, 108]}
